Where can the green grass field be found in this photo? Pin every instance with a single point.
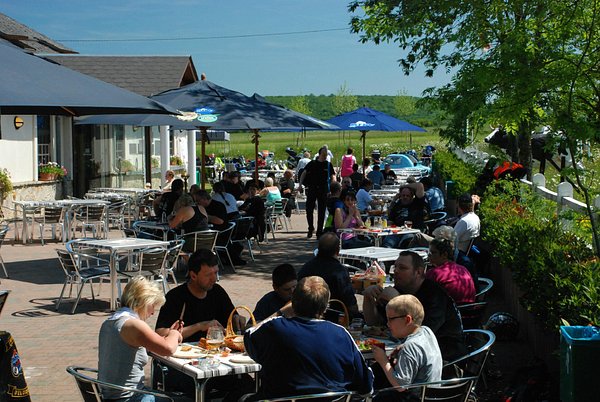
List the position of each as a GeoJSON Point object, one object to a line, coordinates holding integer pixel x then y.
{"type": "Point", "coordinates": [338, 142]}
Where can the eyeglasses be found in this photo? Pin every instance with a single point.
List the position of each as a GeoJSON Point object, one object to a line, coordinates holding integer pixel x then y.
{"type": "Point", "coordinates": [390, 319]}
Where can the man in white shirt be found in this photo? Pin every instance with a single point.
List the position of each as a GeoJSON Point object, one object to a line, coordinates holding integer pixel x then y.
{"type": "Point", "coordinates": [467, 227]}
{"type": "Point", "coordinates": [302, 164]}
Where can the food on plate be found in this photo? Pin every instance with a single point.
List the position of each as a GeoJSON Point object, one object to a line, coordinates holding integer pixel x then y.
{"type": "Point", "coordinates": [368, 344]}
{"type": "Point", "coordinates": [185, 348]}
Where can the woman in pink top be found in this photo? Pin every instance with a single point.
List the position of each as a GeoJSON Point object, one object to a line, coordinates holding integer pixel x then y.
{"type": "Point", "coordinates": [346, 163]}
{"type": "Point", "coordinates": [454, 278]}
{"type": "Point", "coordinates": [348, 217]}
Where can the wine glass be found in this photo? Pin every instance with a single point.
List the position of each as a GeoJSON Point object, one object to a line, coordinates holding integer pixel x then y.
{"type": "Point", "coordinates": [214, 337]}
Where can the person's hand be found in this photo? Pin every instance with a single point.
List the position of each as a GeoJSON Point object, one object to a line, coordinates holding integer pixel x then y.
{"type": "Point", "coordinates": [178, 326]}
{"type": "Point", "coordinates": [373, 292]}
{"type": "Point", "coordinates": [387, 294]}
{"type": "Point", "coordinates": [205, 325]}
{"type": "Point", "coordinates": [393, 359]}
{"type": "Point", "coordinates": [379, 355]}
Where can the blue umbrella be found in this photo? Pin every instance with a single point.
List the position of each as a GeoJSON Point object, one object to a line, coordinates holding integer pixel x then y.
{"type": "Point", "coordinates": [364, 119]}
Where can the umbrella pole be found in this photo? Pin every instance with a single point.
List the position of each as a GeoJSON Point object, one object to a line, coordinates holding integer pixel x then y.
{"type": "Point", "coordinates": [363, 137]}
{"type": "Point", "coordinates": [255, 140]}
{"type": "Point", "coordinates": [202, 158]}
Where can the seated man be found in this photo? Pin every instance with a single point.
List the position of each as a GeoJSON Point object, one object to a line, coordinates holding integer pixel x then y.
{"type": "Point", "coordinates": [288, 190]}
{"type": "Point", "coordinates": [364, 199]}
{"type": "Point", "coordinates": [356, 176]}
{"type": "Point", "coordinates": [408, 205]}
{"type": "Point", "coordinates": [302, 354]}
{"type": "Point", "coordinates": [327, 266]}
{"type": "Point", "coordinates": [417, 360]}
{"type": "Point", "coordinates": [284, 282]}
{"type": "Point", "coordinates": [454, 278]}
{"type": "Point", "coordinates": [164, 203]}
{"type": "Point", "coordinates": [204, 304]}
{"type": "Point", "coordinates": [388, 174]}
{"type": "Point", "coordinates": [441, 314]}
{"type": "Point", "coordinates": [333, 202]}
{"type": "Point", "coordinates": [254, 206]}
{"type": "Point", "coordinates": [433, 195]}
{"type": "Point", "coordinates": [467, 227]}
{"type": "Point", "coordinates": [376, 177]}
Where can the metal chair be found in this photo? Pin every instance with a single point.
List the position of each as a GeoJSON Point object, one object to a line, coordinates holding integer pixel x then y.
{"type": "Point", "coordinates": [50, 216]}
{"type": "Point", "coordinates": [483, 286]}
{"type": "Point", "coordinates": [116, 214]}
{"type": "Point", "coordinates": [71, 262]}
{"type": "Point", "coordinates": [222, 242]}
{"type": "Point", "coordinates": [3, 232]}
{"type": "Point", "coordinates": [93, 217]}
{"type": "Point", "coordinates": [269, 221]}
{"type": "Point", "coordinates": [471, 314]}
{"type": "Point", "coordinates": [149, 263]}
{"type": "Point", "coordinates": [90, 387]}
{"type": "Point", "coordinates": [170, 264]}
{"type": "Point", "coordinates": [197, 240]}
{"type": "Point", "coordinates": [479, 343]}
{"type": "Point", "coordinates": [278, 214]}
{"type": "Point", "coordinates": [434, 220]}
{"type": "Point", "coordinates": [342, 396]}
{"type": "Point", "coordinates": [240, 233]}
{"type": "Point", "coordinates": [453, 390]}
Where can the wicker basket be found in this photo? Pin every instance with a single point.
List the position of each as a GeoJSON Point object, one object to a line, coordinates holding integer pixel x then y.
{"type": "Point", "coordinates": [344, 321]}
{"type": "Point", "coordinates": [233, 341]}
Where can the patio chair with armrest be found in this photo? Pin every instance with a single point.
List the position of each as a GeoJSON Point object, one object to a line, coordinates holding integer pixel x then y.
{"type": "Point", "coordinates": [341, 396]}
{"type": "Point", "coordinates": [90, 386]}
{"type": "Point", "coordinates": [149, 264]}
{"type": "Point", "coordinates": [92, 217]}
{"type": "Point", "coordinates": [241, 232]}
{"type": "Point", "coordinates": [3, 232]}
{"type": "Point", "coordinates": [452, 390]}
{"type": "Point", "coordinates": [483, 286]}
{"type": "Point", "coordinates": [170, 264]}
{"type": "Point", "coordinates": [53, 216]}
{"type": "Point", "coordinates": [116, 214]}
{"type": "Point", "coordinates": [222, 242]}
{"type": "Point", "coordinates": [435, 219]}
{"type": "Point", "coordinates": [197, 240]}
{"type": "Point", "coordinates": [71, 263]}
{"type": "Point", "coordinates": [479, 343]}
{"type": "Point", "coordinates": [471, 314]}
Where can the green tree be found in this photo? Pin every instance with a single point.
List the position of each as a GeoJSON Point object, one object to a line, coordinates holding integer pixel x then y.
{"type": "Point", "coordinates": [517, 63]}
{"type": "Point", "coordinates": [404, 105]}
{"type": "Point", "coordinates": [300, 104]}
{"type": "Point", "coordinates": [343, 101]}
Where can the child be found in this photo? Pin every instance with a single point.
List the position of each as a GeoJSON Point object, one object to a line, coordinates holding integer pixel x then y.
{"type": "Point", "coordinates": [418, 359]}
{"type": "Point", "coordinates": [284, 283]}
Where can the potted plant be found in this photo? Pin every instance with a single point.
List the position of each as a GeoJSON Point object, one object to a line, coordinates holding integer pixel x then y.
{"type": "Point", "coordinates": [51, 171]}
{"type": "Point", "coordinates": [176, 160]}
{"type": "Point", "coordinates": [5, 184]}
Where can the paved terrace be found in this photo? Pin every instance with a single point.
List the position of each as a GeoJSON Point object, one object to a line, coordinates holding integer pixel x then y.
{"type": "Point", "coordinates": [49, 341]}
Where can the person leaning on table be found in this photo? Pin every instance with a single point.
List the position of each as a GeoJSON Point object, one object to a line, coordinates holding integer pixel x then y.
{"type": "Point", "coordinates": [125, 338]}
{"type": "Point", "coordinates": [300, 353]}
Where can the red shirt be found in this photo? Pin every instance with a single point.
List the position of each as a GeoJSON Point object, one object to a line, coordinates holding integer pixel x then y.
{"type": "Point", "coordinates": [456, 281]}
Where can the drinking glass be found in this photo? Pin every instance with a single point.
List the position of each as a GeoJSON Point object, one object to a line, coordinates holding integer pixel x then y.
{"type": "Point", "coordinates": [214, 337]}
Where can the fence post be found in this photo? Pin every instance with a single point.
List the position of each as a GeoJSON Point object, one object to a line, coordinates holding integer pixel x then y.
{"type": "Point", "coordinates": [565, 189]}
{"type": "Point", "coordinates": [538, 180]}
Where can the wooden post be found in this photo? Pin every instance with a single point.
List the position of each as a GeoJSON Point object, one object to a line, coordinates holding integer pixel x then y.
{"type": "Point", "coordinates": [255, 140]}
{"type": "Point", "coordinates": [148, 153]}
{"type": "Point", "coordinates": [203, 136]}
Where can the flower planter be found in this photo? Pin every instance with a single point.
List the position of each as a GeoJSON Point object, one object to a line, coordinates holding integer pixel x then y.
{"type": "Point", "coordinates": [47, 176]}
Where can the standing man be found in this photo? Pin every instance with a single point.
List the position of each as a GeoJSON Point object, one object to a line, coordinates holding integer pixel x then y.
{"type": "Point", "coordinates": [301, 353]}
{"type": "Point", "coordinates": [317, 176]}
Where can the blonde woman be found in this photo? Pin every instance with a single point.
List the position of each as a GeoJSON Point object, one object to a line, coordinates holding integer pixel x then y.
{"type": "Point", "coordinates": [125, 338]}
{"type": "Point", "coordinates": [271, 192]}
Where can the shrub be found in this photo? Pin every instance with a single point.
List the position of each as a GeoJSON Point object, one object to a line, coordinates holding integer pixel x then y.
{"type": "Point", "coordinates": [449, 167]}
{"type": "Point", "coordinates": [556, 269]}
{"type": "Point", "coordinates": [5, 184]}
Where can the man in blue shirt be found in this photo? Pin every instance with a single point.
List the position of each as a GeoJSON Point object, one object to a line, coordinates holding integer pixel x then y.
{"type": "Point", "coordinates": [302, 354]}
{"type": "Point", "coordinates": [376, 177]}
{"type": "Point", "coordinates": [433, 195]}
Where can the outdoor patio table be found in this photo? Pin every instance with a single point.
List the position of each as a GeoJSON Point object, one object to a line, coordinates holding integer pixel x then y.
{"type": "Point", "coordinates": [116, 246]}
{"type": "Point", "coordinates": [378, 233]}
{"type": "Point", "coordinates": [370, 254]}
{"type": "Point", "coordinates": [153, 226]}
{"type": "Point", "coordinates": [201, 374]}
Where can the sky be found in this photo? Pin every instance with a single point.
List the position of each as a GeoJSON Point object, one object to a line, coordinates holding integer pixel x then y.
{"type": "Point", "coordinates": [248, 46]}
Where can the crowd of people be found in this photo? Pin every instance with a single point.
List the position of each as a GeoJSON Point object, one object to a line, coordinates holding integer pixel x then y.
{"type": "Point", "coordinates": [419, 310]}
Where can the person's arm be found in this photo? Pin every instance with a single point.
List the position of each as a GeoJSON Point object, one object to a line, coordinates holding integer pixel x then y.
{"type": "Point", "coordinates": [176, 220]}
{"type": "Point", "coordinates": [340, 222]}
{"type": "Point", "coordinates": [370, 296]}
{"type": "Point", "coordinates": [418, 189]}
{"type": "Point", "coordinates": [137, 333]}
{"type": "Point", "coordinates": [190, 330]}
{"type": "Point", "coordinates": [381, 358]}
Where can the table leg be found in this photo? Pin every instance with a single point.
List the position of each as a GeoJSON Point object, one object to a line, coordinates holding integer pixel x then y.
{"type": "Point", "coordinates": [113, 280]}
{"type": "Point", "coordinates": [200, 390]}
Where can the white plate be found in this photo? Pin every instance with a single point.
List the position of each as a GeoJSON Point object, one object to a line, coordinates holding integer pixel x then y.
{"type": "Point", "coordinates": [242, 359]}
{"type": "Point", "coordinates": [194, 353]}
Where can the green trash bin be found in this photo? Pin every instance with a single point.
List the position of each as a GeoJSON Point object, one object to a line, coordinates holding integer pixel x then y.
{"type": "Point", "coordinates": [579, 357]}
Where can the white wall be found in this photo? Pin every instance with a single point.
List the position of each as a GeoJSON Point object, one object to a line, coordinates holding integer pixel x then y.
{"type": "Point", "coordinates": [17, 148]}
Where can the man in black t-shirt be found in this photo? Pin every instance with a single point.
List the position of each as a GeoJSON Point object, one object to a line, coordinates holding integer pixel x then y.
{"type": "Point", "coordinates": [231, 182]}
{"type": "Point", "coordinates": [408, 205]}
{"type": "Point", "coordinates": [317, 176]}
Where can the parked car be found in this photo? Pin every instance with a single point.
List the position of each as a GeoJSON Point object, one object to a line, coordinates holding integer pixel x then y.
{"type": "Point", "coordinates": [405, 165]}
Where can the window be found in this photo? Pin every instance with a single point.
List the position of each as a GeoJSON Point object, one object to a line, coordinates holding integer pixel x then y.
{"type": "Point", "coordinates": [43, 138]}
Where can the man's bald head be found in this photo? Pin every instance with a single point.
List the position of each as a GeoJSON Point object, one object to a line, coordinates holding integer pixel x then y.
{"type": "Point", "coordinates": [329, 245]}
